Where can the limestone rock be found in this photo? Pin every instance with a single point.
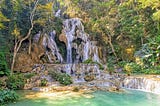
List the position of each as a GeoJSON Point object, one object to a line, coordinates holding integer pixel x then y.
{"type": "Point", "coordinates": [63, 38]}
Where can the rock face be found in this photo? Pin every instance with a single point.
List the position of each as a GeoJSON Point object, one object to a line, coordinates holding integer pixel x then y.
{"type": "Point", "coordinates": [51, 48]}
{"type": "Point", "coordinates": [77, 71]}
{"type": "Point", "coordinates": [24, 61]}
{"type": "Point", "coordinates": [45, 50]}
{"type": "Point", "coordinates": [149, 83]}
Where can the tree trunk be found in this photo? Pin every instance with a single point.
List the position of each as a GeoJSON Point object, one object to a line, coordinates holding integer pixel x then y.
{"type": "Point", "coordinates": [110, 43]}
{"type": "Point", "coordinates": [14, 57]}
{"type": "Point", "coordinates": [19, 42]}
{"type": "Point", "coordinates": [30, 46]}
{"type": "Point", "coordinates": [13, 62]}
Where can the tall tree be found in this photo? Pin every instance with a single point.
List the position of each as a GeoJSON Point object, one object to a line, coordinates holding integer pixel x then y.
{"type": "Point", "coordinates": [19, 42]}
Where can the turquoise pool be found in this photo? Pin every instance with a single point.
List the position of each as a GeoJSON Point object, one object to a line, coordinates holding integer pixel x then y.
{"type": "Point", "coordinates": [99, 98]}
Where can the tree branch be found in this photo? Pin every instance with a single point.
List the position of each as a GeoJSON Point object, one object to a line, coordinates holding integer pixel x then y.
{"type": "Point", "coordinates": [32, 24]}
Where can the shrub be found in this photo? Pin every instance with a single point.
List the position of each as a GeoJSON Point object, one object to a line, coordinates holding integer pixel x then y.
{"type": "Point", "coordinates": [3, 65]}
{"type": "Point", "coordinates": [44, 82]}
{"type": "Point", "coordinates": [62, 78]}
{"type": "Point", "coordinates": [15, 81]}
{"type": "Point", "coordinates": [7, 96]}
{"type": "Point", "coordinates": [90, 61]}
{"type": "Point", "coordinates": [29, 75]}
{"type": "Point", "coordinates": [149, 53]}
{"type": "Point", "coordinates": [132, 68]}
{"type": "Point", "coordinates": [2, 84]}
{"type": "Point", "coordinates": [151, 71]}
{"type": "Point", "coordinates": [110, 68]}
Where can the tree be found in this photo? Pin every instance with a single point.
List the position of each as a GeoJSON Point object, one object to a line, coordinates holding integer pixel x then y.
{"type": "Point", "coordinates": [19, 42]}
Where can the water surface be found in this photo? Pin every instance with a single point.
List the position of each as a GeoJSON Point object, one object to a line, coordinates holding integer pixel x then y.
{"type": "Point", "coordinates": [99, 98]}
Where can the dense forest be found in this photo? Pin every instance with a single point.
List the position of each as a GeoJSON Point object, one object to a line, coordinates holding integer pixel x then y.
{"type": "Point", "coordinates": [128, 31]}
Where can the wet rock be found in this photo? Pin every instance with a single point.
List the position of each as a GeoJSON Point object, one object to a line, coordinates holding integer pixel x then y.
{"type": "Point", "coordinates": [89, 78]}
{"type": "Point", "coordinates": [149, 83]}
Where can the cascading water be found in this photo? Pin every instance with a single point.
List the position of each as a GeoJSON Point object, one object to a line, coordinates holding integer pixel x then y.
{"type": "Point", "coordinates": [74, 33]}
{"type": "Point", "coordinates": [52, 45]}
{"type": "Point", "coordinates": [76, 39]}
{"type": "Point", "coordinates": [86, 51]}
{"type": "Point", "coordinates": [49, 43]}
{"type": "Point", "coordinates": [78, 71]}
{"type": "Point", "coordinates": [69, 32]}
{"type": "Point", "coordinates": [95, 57]}
{"type": "Point", "coordinates": [144, 83]}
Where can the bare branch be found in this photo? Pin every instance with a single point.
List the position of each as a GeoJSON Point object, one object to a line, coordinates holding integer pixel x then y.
{"type": "Point", "coordinates": [19, 42]}
{"type": "Point", "coordinates": [32, 24]}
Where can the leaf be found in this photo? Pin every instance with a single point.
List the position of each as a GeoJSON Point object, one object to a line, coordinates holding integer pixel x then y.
{"type": "Point", "coordinates": [156, 16]}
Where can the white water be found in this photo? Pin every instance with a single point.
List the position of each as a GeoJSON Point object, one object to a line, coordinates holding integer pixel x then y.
{"type": "Point", "coordinates": [151, 84]}
{"type": "Point", "coordinates": [95, 57]}
{"type": "Point", "coordinates": [86, 51]}
{"type": "Point", "coordinates": [78, 71]}
{"type": "Point", "coordinates": [48, 42]}
{"type": "Point", "coordinates": [69, 28]}
{"type": "Point", "coordinates": [74, 30]}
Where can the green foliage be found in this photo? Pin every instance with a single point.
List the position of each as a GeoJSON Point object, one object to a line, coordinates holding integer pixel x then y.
{"type": "Point", "coordinates": [2, 84]}
{"type": "Point", "coordinates": [29, 75]}
{"type": "Point", "coordinates": [110, 67]}
{"type": "Point", "coordinates": [58, 23]}
{"type": "Point", "coordinates": [132, 68]}
{"type": "Point", "coordinates": [62, 78]}
{"type": "Point", "coordinates": [3, 65]}
{"type": "Point", "coordinates": [90, 61]}
{"type": "Point", "coordinates": [44, 82]}
{"type": "Point", "coordinates": [151, 71]}
{"type": "Point", "coordinates": [122, 22]}
{"type": "Point", "coordinates": [131, 26]}
{"type": "Point", "coordinates": [150, 52]}
{"type": "Point", "coordinates": [7, 96]}
{"type": "Point", "coordinates": [2, 19]}
{"type": "Point", "coordinates": [65, 79]}
{"type": "Point", "coordinates": [15, 81]}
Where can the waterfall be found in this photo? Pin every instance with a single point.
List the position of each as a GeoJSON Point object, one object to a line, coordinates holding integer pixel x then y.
{"type": "Point", "coordinates": [58, 13]}
{"type": "Point", "coordinates": [67, 69]}
{"type": "Point", "coordinates": [86, 51]}
{"type": "Point", "coordinates": [69, 27]}
{"type": "Point", "coordinates": [74, 32]}
{"type": "Point", "coordinates": [144, 83]}
{"type": "Point", "coordinates": [53, 46]}
{"type": "Point", "coordinates": [49, 43]}
{"type": "Point", "coordinates": [78, 71]}
{"type": "Point", "coordinates": [95, 57]}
